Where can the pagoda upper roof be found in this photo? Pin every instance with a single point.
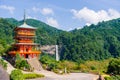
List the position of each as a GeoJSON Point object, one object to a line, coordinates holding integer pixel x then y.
{"type": "Point", "coordinates": [24, 25]}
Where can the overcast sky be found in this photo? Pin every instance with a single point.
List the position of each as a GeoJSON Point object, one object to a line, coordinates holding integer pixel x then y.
{"type": "Point", "coordinates": [62, 14]}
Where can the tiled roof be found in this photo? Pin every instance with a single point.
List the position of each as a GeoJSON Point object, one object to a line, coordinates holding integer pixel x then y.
{"type": "Point", "coordinates": [26, 26]}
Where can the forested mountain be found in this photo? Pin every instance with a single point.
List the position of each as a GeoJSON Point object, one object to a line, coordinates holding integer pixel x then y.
{"type": "Point", "coordinates": [98, 42]}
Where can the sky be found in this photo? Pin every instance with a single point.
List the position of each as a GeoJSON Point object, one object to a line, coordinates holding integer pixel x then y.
{"type": "Point", "coordinates": [62, 14]}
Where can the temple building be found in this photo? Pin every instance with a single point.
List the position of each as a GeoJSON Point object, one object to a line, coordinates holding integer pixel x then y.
{"type": "Point", "coordinates": [24, 41]}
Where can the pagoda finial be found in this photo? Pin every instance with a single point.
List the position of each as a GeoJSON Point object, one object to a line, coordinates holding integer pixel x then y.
{"type": "Point", "coordinates": [24, 16]}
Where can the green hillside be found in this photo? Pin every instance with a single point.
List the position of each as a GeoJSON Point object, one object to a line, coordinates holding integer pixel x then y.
{"type": "Point", "coordinates": [94, 42]}
{"type": "Point", "coordinates": [98, 42]}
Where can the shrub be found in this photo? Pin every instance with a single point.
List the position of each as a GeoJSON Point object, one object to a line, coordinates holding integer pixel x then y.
{"type": "Point", "coordinates": [50, 63]}
{"type": "Point", "coordinates": [117, 77]}
{"type": "Point", "coordinates": [32, 76]}
{"type": "Point", "coordinates": [69, 65]}
{"type": "Point", "coordinates": [47, 59]}
{"type": "Point", "coordinates": [93, 67]}
{"type": "Point", "coordinates": [83, 68]}
{"type": "Point", "coordinates": [59, 71]}
{"type": "Point", "coordinates": [114, 66]}
{"type": "Point", "coordinates": [4, 64]}
{"type": "Point", "coordinates": [44, 66]}
{"type": "Point", "coordinates": [16, 75]}
{"type": "Point", "coordinates": [108, 78]}
{"type": "Point", "coordinates": [20, 63]}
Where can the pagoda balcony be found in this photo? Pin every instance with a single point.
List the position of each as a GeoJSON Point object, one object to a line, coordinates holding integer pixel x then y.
{"type": "Point", "coordinates": [28, 34]}
{"type": "Point", "coordinates": [25, 41]}
{"type": "Point", "coordinates": [33, 44]}
{"type": "Point", "coordinates": [24, 52]}
{"type": "Point", "coordinates": [24, 36]}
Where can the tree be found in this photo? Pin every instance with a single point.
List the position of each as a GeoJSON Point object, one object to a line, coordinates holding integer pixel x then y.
{"type": "Point", "coordinates": [114, 66]}
{"type": "Point", "coordinates": [21, 63]}
{"type": "Point", "coordinates": [16, 75]}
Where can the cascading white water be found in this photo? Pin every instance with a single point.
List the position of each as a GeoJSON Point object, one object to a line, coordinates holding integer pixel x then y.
{"type": "Point", "coordinates": [56, 52]}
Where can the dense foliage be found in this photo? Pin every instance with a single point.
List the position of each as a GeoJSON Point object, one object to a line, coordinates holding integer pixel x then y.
{"type": "Point", "coordinates": [49, 63]}
{"type": "Point", "coordinates": [111, 65]}
{"type": "Point", "coordinates": [94, 66]}
{"type": "Point", "coordinates": [6, 37]}
{"type": "Point", "coordinates": [18, 75]}
{"type": "Point", "coordinates": [114, 67]}
{"type": "Point", "coordinates": [94, 42]}
{"type": "Point", "coordinates": [3, 63]}
{"type": "Point", "coordinates": [32, 75]}
{"type": "Point", "coordinates": [21, 63]}
{"type": "Point", "coordinates": [117, 77]}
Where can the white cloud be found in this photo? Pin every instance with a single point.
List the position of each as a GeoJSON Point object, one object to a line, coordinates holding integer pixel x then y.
{"type": "Point", "coordinates": [47, 11]}
{"type": "Point", "coordinates": [79, 28]}
{"type": "Point", "coordinates": [44, 11]}
{"type": "Point", "coordinates": [51, 21]}
{"type": "Point", "coordinates": [69, 29]}
{"type": "Point", "coordinates": [35, 9]}
{"type": "Point", "coordinates": [30, 17]}
{"type": "Point", "coordinates": [9, 8]}
{"type": "Point", "coordinates": [93, 17]}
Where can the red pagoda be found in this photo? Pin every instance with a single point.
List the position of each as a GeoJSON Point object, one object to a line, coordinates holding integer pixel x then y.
{"type": "Point", "coordinates": [24, 41]}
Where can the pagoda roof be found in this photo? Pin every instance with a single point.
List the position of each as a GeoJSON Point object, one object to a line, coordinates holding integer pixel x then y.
{"type": "Point", "coordinates": [24, 25]}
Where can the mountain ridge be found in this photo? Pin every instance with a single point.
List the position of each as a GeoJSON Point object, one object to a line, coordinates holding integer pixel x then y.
{"type": "Point", "coordinates": [94, 42]}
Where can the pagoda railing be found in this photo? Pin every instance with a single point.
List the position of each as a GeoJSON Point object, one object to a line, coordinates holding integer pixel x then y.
{"type": "Point", "coordinates": [25, 41]}
{"type": "Point", "coordinates": [24, 52]}
{"type": "Point", "coordinates": [23, 33]}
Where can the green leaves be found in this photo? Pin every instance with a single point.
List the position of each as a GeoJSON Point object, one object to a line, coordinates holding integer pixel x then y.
{"type": "Point", "coordinates": [20, 63]}
{"type": "Point", "coordinates": [94, 42]}
{"type": "Point", "coordinates": [16, 75]}
{"type": "Point", "coordinates": [114, 66]}
{"type": "Point", "coordinates": [4, 64]}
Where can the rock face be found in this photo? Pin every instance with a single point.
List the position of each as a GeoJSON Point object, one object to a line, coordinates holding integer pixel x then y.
{"type": "Point", "coordinates": [3, 74]}
{"type": "Point", "coordinates": [50, 49]}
